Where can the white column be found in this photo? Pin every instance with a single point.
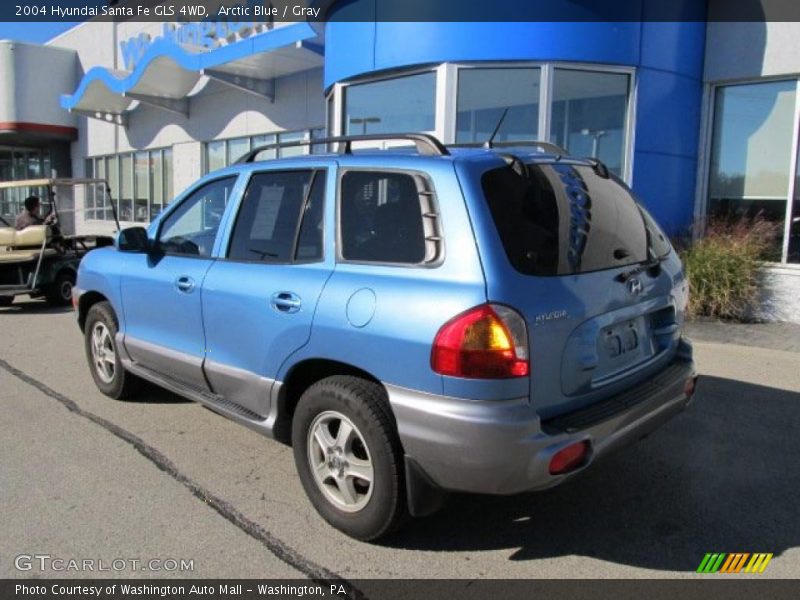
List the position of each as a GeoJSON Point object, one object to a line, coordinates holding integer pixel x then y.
{"type": "Point", "coordinates": [187, 165]}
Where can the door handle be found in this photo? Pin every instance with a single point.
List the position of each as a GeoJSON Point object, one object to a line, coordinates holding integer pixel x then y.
{"type": "Point", "coordinates": [286, 302]}
{"type": "Point", "coordinates": [185, 284]}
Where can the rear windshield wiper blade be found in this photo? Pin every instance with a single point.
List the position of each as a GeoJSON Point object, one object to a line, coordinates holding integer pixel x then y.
{"type": "Point", "coordinates": [641, 267]}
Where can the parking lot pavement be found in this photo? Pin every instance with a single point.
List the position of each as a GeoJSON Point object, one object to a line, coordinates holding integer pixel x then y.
{"type": "Point", "coordinates": [161, 477]}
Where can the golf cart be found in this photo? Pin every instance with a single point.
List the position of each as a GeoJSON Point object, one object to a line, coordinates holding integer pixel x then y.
{"type": "Point", "coordinates": [42, 260]}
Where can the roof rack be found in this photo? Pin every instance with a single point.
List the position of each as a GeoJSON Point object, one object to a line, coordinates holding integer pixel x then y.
{"type": "Point", "coordinates": [546, 146]}
{"type": "Point", "coordinates": [425, 143]}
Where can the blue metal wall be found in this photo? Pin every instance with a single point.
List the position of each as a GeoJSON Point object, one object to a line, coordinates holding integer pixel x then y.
{"type": "Point", "coordinates": [668, 57]}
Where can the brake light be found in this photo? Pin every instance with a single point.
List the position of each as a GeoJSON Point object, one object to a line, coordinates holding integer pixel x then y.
{"type": "Point", "coordinates": [569, 458]}
{"type": "Point", "coordinates": [486, 342]}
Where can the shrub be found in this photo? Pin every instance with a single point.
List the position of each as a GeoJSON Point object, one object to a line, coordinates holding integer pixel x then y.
{"type": "Point", "coordinates": [722, 267]}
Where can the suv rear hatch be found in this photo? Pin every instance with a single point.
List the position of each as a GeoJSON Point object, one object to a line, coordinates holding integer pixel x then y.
{"type": "Point", "coordinates": [602, 293]}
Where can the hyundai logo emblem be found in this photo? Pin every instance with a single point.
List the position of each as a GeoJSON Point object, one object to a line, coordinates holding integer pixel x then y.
{"type": "Point", "coordinates": [635, 287]}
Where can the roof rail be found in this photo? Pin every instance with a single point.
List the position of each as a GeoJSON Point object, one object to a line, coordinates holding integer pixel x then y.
{"type": "Point", "coordinates": [546, 146]}
{"type": "Point", "coordinates": [425, 143]}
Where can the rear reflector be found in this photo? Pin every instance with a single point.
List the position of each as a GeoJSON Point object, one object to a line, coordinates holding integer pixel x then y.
{"type": "Point", "coordinates": [569, 458]}
{"type": "Point", "coordinates": [690, 386]}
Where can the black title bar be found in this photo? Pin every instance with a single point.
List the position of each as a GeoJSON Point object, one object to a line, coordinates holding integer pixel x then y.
{"type": "Point", "coordinates": [402, 10]}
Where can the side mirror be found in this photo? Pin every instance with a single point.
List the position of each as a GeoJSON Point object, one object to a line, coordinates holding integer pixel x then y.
{"type": "Point", "coordinates": [132, 239]}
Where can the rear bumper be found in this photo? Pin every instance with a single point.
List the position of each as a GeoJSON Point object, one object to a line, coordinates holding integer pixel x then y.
{"type": "Point", "coordinates": [503, 447]}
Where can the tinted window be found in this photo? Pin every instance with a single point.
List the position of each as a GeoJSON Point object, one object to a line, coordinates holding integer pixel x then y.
{"type": "Point", "coordinates": [381, 218]}
{"type": "Point", "coordinates": [558, 219]}
{"type": "Point", "coordinates": [280, 209]}
{"type": "Point", "coordinates": [192, 228]}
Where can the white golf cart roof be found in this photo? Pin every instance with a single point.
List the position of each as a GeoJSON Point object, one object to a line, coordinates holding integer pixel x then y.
{"type": "Point", "coordinates": [5, 185]}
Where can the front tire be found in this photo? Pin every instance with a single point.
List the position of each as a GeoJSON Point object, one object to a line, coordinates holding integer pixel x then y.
{"type": "Point", "coordinates": [109, 375]}
{"type": "Point", "coordinates": [348, 456]}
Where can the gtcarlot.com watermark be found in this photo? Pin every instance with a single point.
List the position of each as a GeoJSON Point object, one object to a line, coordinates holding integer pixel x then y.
{"type": "Point", "coordinates": [48, 563]}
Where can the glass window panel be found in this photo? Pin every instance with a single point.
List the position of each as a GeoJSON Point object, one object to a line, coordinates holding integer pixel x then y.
{"type": "Point", "coordinates": [8, 206]}
{"type": "Point", "coordinates": [794, 227]}
{"type": "Point", "coordinates": [168, 183]}
{"type": "Point", "coordinates": [101, 201]}
{"type": "Point", "coordinates": [589, 113]}
{"type": "Point", "coordinates": [156, 183]}
{"type": "Point", "coordinates": [292, 136]}
{"type": "Point", "coordinates": [237, 148]}
{"type": "Point", "coordinates": [141, 169]}
{"type": "Point", "coordinates": [483, 95]}
{"type": "Point", "coordinates": [381, 218]}
{"type": "Point", "coordinates": [215, 156]}
{"type": "Point", "coordinates": [112, 176]}
{"type": "Point", "coordinates": [391, 106]}
{"type": "Point", "coordinates": [192, 228]}
{"type": "Point", "coordinates": [318, 133]}
{"type": "Point", "coordinates": [89, 192]}
{"type": "Point", "coordinates": [46, 164]}
{"type": "Point", "coordinates": [752, 138]}
{"type": "Point", "coordinates": [126, 188]}
{"type": "Point", "coordinates": [20, 166]}
{"type": "Point", "coordinates": [264, 140]}
{"type": "Point", "coordinates": [34, 165]}
{"type": "Point", "coordinates": [267, 223]}
{"type": "Point", "coordinates": [309, 242]}
{"type": "Point", "coordinates": [563, 219]}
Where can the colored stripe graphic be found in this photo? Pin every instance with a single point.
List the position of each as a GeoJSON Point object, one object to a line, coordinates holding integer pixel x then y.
{"type": "Point", "coordinates": [711, 563]}
{"type": "Point", "coordinates": [722, 562]}
{"type": "Point", "coordinates": [735, 562]}
{"type": "Point", "coordinates": [759, 562]}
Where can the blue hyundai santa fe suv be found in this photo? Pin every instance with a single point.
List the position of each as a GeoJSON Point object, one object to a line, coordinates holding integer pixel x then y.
{"type": "Point", "coordinates": [413, 321]}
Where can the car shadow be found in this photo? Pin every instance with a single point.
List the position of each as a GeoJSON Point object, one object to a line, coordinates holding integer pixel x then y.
{"type": "Point", "coordinates": [717, 478]}
{"type": "Point", "coordinates": [152, 394]}
{"type": "Point", "coordinates": [30, 306]}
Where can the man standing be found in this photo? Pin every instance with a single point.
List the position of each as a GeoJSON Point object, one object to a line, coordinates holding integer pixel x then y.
{"type": "Point", "coordinates": [30, 216]}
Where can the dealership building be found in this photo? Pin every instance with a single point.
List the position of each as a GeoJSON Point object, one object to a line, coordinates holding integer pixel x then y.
{"type": "Point", "coordinates": [698, 117]}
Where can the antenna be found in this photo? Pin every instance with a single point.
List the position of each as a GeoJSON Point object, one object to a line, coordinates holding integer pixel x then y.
{"type": "Point", "coordinates": [488, 143]}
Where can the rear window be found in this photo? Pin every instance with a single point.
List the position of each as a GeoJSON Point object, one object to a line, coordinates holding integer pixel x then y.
{"type": "Point", "coordinates": [562, 219]}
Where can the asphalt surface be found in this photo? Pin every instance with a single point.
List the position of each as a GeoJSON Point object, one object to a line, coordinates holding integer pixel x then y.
{"type": "Point", "coordinates": [85, 477]}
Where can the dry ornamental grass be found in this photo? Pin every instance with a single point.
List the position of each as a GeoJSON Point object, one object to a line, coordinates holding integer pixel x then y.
{"type": "Point", "coordinates": [723, 266]}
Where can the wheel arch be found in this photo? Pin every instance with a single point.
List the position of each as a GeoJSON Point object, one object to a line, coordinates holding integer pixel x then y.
{"type": "Point", "coordinates": [301, 377]}
{"type": "Point", "coordinates": [87, 300]}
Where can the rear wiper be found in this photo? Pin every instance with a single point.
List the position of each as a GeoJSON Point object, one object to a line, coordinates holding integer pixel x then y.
{"type": "Point", "coordinates": [641, 267]}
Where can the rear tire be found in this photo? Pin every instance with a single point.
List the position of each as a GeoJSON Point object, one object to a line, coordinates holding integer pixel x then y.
{"type": "Point", "coordinates": [109, 375]}
{"type": "Point", "coordinates": [59, 293]}
{"type": "Point", "coordinates": [348, 456]}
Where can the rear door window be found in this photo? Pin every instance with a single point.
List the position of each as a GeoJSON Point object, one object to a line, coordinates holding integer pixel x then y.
{"type": "Point", "coordinates": [561, 218]}
{"type": "Point", "coordinates": [280, 219]}
{"type": "Point", "coordinates": [387, 217]}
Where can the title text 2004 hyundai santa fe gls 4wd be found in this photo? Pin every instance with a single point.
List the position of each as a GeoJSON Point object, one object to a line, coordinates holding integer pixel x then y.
{"type": "Point", "coordinates": [481, 320]}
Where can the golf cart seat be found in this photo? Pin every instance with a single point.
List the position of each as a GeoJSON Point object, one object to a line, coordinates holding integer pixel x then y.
{"type": "Point", "coordinates": [25, 244]}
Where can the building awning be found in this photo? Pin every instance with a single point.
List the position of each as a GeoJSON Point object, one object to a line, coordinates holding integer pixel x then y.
{"type": "Point", "coordinates": [168, 71]}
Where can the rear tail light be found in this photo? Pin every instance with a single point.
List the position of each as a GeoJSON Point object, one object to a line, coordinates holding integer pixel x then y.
{"type": "Point", "coordinates": [486, 342]}
{"type": "Point", "coordinates": [569, 458]}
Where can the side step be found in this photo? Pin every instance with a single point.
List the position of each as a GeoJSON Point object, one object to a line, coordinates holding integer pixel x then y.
{"type": "Point", "coordinates": [213, 401]}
